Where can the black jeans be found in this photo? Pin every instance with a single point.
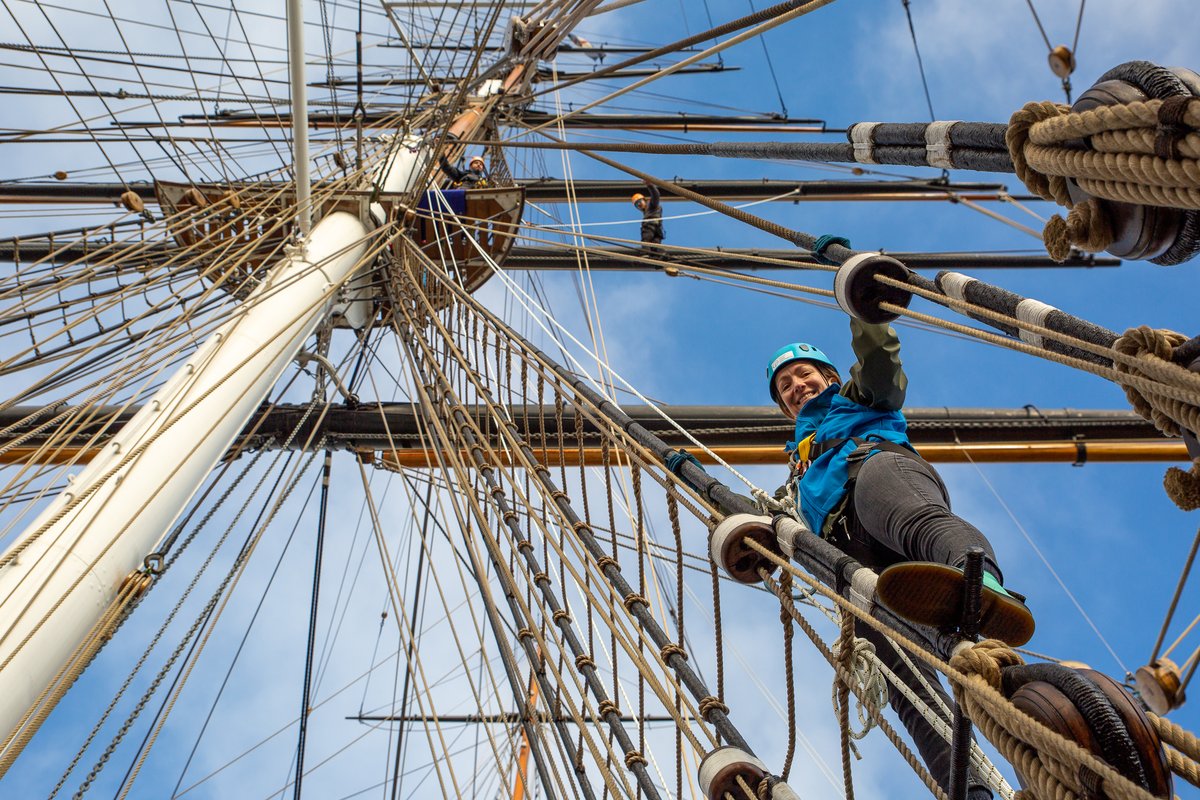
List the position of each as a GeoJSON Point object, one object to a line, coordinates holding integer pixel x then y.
{"type": "Point", "coordinates": [902, 513]}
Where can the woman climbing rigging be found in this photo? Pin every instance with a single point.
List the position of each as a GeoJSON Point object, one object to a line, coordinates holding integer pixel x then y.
{"type": "Point", "coordinates": [860, 484]}
{"type": "Point", "coordinates": [857, 482]}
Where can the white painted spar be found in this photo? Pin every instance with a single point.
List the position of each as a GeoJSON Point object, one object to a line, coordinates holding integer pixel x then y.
{"type": "Point", "coordinates": [299, 93]}
{"type": "Point", "coordinates": [117, 509]}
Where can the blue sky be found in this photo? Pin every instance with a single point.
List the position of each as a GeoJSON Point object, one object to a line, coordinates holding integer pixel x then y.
{"type": "Point", "coordinates": [1108, 532]}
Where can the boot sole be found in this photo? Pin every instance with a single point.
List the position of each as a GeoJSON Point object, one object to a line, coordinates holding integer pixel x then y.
{"type": "Point", "coordinates": [931, 594]}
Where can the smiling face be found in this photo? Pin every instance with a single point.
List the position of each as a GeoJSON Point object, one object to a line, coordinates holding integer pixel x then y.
{"type": "Point", "coordinates": [797, 383]}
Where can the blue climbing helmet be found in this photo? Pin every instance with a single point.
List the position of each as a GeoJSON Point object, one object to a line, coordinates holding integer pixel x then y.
{"type": "Point", "coordinates": [796, 351]}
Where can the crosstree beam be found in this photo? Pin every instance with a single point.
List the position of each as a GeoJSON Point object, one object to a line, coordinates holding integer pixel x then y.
{"type": "Point", "coordinates": [740, 434]}
{"type": "Point", "coordinates": [743, 260]}
{"type": "Point", "coordinates": [614, 259]}
{"type": "Point", "coordinates": [555, 190]}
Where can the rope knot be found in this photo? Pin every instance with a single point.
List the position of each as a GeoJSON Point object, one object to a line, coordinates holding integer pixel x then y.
{"type": "Point", "coordinates": [1184, 487]}
{"type": "Point", "coordinates": [671, 649]}
{"type": "Point", "coordinates": [632, 599]}
{"type": "Point", "coordinates": [1087, 227]}
{"type": "Point", "coordinates": [710, 704]}
{"type": "Point", "coordinates": [986, 659]}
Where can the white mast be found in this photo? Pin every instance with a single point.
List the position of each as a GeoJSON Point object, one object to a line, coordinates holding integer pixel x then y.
{"type": "Point", "coordinates": [295, 23]}
{"type": "Point", "coordinates": [71, 562]}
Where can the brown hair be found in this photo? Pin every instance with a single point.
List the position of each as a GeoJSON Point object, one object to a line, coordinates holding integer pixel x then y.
{"type": "Point", "coordinates": [827, 372]}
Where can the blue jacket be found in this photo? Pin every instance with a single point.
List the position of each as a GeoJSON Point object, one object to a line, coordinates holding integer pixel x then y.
{"type": "Point", "coordinates": [867, 407]}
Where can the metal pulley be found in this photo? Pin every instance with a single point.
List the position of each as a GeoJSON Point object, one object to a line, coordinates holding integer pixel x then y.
{"type": "Point", "coordinates": [728, 548]}
{"type": "Point", "coordinates": [1160, 685]}
{"type": "Point", "coordinates": [1062, 61]}
{"type": "Point", "coordinates": [1162, 235]}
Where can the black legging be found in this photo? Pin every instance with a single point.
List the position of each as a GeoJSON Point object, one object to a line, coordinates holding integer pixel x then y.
{"type": "Point", "coordinates": [902, 513]}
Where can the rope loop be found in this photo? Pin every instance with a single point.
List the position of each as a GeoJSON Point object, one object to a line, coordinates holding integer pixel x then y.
{"type": "Point", "coordinates": [986, 659]}
{"type": "Point", "coordinates": [1047, 187]}
{"type": "Point", "coordinates": [1153, 350]}
{"type": "Point", "coordinates": [561, 615]}
{"type": "Point", "coordinates": [541, 577]}
{"type": "Point", "coordinates": [583, 661]}
{"type": "Point", "coordinates": [633, 757]}
{"type": "Point", "coordinates": [763, 790]}
{"type": "Point", "coordinates": [607, 707]}
{"type": "Point", "coordinates": [525, 633]}
{"type": "Point", "coordinates": [710, 704]}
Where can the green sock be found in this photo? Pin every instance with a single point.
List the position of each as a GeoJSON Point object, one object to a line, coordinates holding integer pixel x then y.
{"type": "Point", "coordinates": [991, 582]}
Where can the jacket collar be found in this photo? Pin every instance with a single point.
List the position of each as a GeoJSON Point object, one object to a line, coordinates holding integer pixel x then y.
{"type": "Point", "coordinates": [813, 414]}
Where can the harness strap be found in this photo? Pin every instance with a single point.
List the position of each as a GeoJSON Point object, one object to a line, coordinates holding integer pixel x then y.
{"type": "Point", "coordinates": [864, 447]}
{"type": "Point", "coordinates": [858, 457]}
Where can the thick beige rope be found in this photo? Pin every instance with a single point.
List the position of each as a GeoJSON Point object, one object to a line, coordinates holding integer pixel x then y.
{"type": "Point", "coordinates": [1153, 348]}
{"type": "Point", "coordinates": [1141, 153]}
{"type": "Point", "coordinates": [1049, 764]}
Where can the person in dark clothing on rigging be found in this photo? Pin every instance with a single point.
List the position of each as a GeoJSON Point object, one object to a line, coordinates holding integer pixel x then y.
{"type": "Point", "coordinates": [857, 482]}
{"type": "Point", "coordinates": [651, 208]}
{"type": "Point", "coordinates": [471, 178]}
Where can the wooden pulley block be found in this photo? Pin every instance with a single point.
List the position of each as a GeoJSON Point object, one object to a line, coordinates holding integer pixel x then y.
{"type": "Point", "coordinates": [233, 199]}
{"type": "Point", "coordinates": [132, 201]}
{"type": "Point", "coordinates": [193, 197]}
{"type": "Point", "coordinates": [721, 769]}
{"type": "Point", "coordinates": [1160, 685]}
{"type": "Point", "coordinates": [728, 548]}
{"type": "Point", "coordinates": [1049, 706]}
{"type": "Point", "coordinates": [1062, 61]}
{"type": "Point", "coordinates": [1098, 714]}
{"type": "Point", "coordinates": [1153, 233]}
{"type": "Point", "coordinates": [859, 292]}
{"type": "Point", "coordinates": [1141, 730]}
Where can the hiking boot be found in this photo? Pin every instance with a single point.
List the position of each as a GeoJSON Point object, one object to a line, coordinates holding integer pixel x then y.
{"type": "Point", "coordinates": [931, 594]}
